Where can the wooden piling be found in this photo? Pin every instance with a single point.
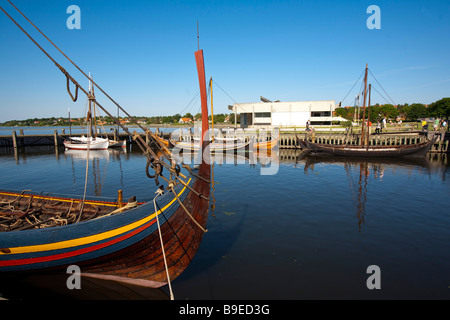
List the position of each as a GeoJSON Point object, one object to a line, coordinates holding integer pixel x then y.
{"type": "Point", "coordinates": [14, 139]}
{"type": "Point", "coordinates": [120, 198]}
{"type": "Point", "coordinates": [55, 137]}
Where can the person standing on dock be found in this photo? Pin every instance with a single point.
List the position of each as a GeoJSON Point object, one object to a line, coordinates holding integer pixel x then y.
{"type": "Point", "coordinates": [436, 124]}
{"type": "Point", "coordinates": [383, 125]}
{"type": "Point", "coordinates": [378, 129]}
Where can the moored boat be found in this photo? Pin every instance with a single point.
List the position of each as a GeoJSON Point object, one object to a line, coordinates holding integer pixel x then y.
{"type": "Point", "coordinates": [418, 149]}
{"type": "Point", "coordinates": [216, 146]}
{"type": "Point", "coordinates": [364, 149]}
{"type": "Point", "coordinates": [84, 143]}
{"type": "Point", "coordinates": [146, 244]}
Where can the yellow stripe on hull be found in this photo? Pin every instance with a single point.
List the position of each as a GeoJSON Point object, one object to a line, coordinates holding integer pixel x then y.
{"type": "Point", "coordinates": [89, 239]}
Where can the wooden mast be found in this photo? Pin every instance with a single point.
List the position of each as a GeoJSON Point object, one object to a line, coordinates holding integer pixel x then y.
{"type": "Point", "coordinates": [368, 116]}
{"type": "Point", "coordinates": [93, 104]}
{"type": "Point", "coordinates": [89, 113]}
{"type": "Point", "coordinates": [364, 107]}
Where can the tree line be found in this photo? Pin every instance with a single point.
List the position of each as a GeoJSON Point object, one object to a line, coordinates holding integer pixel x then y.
{"type": "Point", "coordinates": [408, 112]}
{"type": "Point", "coordinates": [62, 122]}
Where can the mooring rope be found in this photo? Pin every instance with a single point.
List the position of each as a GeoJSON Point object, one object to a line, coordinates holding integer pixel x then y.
{"type": "Point", "coordinates": [158, 193]}
{"type": "Point", "coordinates": [86, 174]}
{"type": "Point", "coordinates": [158, 164]}
{"type": "Point", "coordinates": [186, 210]}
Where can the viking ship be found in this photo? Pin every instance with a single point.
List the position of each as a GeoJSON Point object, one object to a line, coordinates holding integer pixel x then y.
{"type": "Point", "coordinates": [267, 145]}
{"type": "Point", "coordinates": [417, 150]}
{"type": "Point", "coordinates": [147, 243]}
{"type": "Point", "coordinates": [214, 147]}
{"type": "Point", "coordinates": [364, 149]}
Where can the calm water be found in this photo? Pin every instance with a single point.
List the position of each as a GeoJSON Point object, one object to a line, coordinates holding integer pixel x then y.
{"type": "Point", "coordinates": [308, 232]}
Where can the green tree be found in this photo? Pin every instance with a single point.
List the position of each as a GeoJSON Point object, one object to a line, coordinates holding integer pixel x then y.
{"type": "Point", "coordinates": [343, 112]}
{"type": "Point", "coordinates": [388, 111]}
{"type": "Point", "coordinates": [416, 111]}
{"type": "Point", "coordinates": [440, 108]}
{"type": "Point", "coordinates": [188, 115]}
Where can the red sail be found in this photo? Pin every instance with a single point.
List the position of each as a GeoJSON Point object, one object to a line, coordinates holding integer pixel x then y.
{"type": "Point", "coordinates": [202, 81]}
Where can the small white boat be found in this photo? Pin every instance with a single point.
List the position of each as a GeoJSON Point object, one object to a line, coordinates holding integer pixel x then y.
{"type": "Point", "coordinates": [83, 143]}
{"type": "Point", "coordinates": [117, 144]}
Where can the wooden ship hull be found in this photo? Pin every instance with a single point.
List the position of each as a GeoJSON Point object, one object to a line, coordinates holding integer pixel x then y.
{"type": "Point", "coordinates": [265, 145]}
{"type": "Point", "coordinates": [214, 147]}
{"type": "Point", "coordinates": [161, 140]}
{"type": "Point", "coordinates": [363, 148]}
{"type": "Point", "coordinates": [418, 150]}
{"type": "Point", "coordinates": [147, 245]}
{"type": "Point", "coordinates": [117, 144]}
{"type": "Point", "coordinates": [121, 246]}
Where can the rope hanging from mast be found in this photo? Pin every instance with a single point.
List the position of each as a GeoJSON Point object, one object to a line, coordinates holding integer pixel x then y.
{"type": "Point", "coordinates": [162, 148]}
{"type": "Point", "coordinates": [140, 142]}
{"type": "Point", "coordinates": [157, 164]}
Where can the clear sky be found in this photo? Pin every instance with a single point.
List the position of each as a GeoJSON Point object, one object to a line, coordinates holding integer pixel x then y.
{"type": "Point", "coordinates": [142, 53]}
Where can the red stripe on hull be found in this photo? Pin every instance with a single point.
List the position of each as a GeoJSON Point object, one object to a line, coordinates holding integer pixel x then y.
{"type": "Point", "coordinates": [73, 253]}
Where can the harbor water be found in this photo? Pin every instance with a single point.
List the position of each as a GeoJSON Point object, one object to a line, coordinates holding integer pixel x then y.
{"type": "Point", "coordinates": [312, 229]}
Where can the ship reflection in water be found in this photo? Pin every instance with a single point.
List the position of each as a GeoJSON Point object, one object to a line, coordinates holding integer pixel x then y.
{"type": "Point", "coordinates": [309, 231]}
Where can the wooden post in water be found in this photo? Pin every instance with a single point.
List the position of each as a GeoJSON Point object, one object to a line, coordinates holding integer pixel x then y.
{"type": "Point", "coordinates": [55, 137]}
{"type": "Point", "coordinates": [120, 198]}
{"type": "Point", "coordinates": [14, 139]}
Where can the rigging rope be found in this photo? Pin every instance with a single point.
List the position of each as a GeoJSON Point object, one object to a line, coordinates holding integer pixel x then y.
{"type": "Point", "coordinates": [157, 164]}
{"type": "Point", "coordinates": [381, 94]}
{"type": "Point", "coordinates": [382, 87]}
{"type": "Point", "coordinates": [352, 88]}
{"type": "Point", "coordinates": [76, 84]}
{"type": "Point", "coordinates": [86, 173]}
{"type": "Point", "coordinates": [186, 210]}
{"type": "Point", "coordinates": [158, 193]}
{"type": "Point", "coordinates": [224, 91]}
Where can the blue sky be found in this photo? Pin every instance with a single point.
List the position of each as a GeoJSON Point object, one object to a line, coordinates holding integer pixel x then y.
{"type": "Point", "coordinates": [142, 53]}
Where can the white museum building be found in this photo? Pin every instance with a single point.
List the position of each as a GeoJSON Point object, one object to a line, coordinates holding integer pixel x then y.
{"type": "Point", "coordinates": [285, 114]}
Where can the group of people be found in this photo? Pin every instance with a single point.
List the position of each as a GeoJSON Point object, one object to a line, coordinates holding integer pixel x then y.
{"type": "Point", "coordinates": [439, 124]}
{"type": "Point", "coordinates": [381, 126]}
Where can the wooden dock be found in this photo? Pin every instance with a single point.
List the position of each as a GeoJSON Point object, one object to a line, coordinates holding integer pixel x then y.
{"type": "Point", "coordinates": [57, 139]}
{"type": "Point", "coordinates": [286, 141]}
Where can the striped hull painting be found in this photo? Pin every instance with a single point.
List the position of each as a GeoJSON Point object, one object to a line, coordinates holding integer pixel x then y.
{"type": "Point", "coordinates": [122, 246]}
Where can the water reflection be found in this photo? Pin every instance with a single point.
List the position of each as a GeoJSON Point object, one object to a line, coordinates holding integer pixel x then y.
{"type": "Point", "coordinates": [361, 172]}
{"type": "Point", "coordinates": [314, 223]}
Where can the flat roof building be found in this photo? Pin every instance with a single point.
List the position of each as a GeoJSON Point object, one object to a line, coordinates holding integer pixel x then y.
{"type": "Point", "coordinates": [285, 114]}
